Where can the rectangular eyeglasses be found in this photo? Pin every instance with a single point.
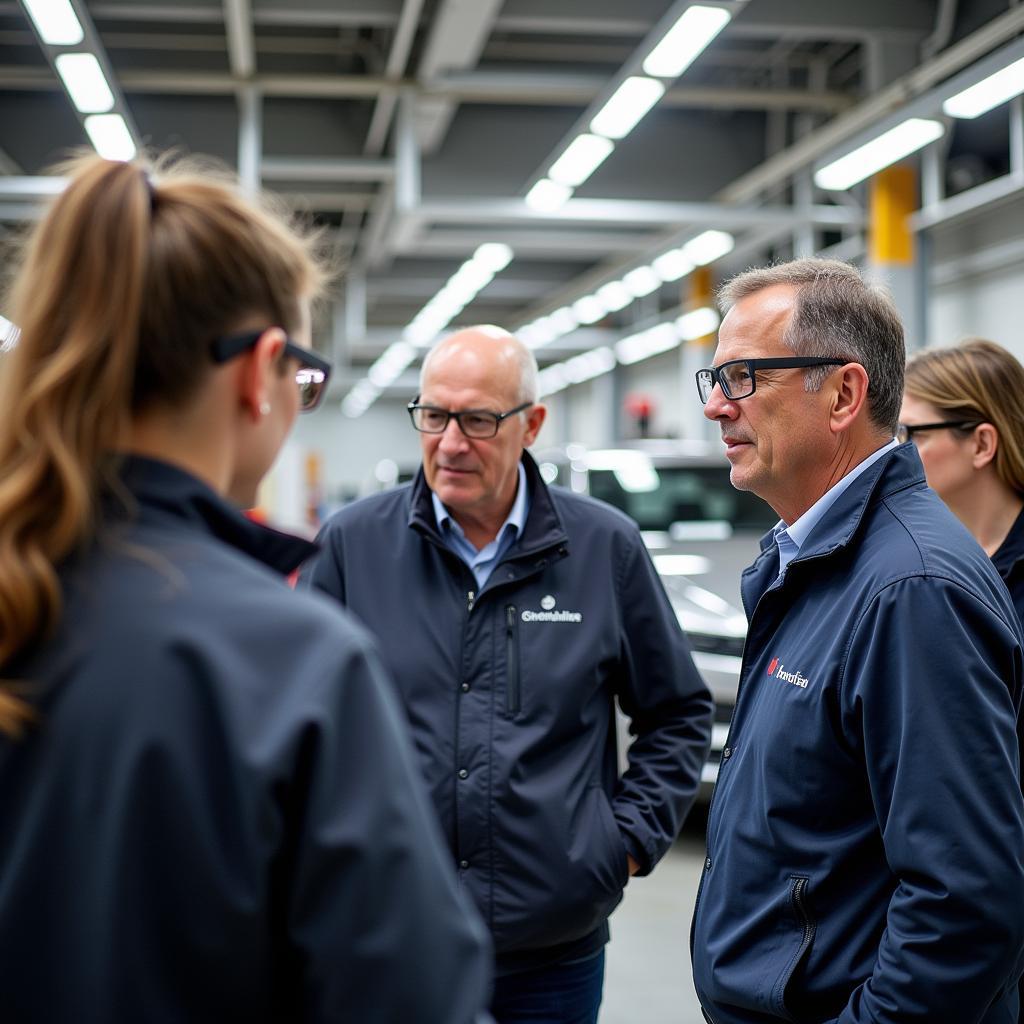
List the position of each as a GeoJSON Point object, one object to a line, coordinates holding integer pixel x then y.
{"type": "Point", "coordinates": [738, 377]}
{"type": "Point", "coordinates": [311, 376]}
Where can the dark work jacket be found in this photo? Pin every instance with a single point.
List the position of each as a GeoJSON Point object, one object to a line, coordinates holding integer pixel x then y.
{"type": "Point", "coordinates": [217, 815]}
{"type": "Point", "coordinates": [1009, 563]}
{"type": "Point", "coordinates": [509, 694]}
{"type": "Point", "coordinates": [865, 858]}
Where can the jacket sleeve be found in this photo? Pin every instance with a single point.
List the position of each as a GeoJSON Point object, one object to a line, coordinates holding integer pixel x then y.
{"type": "Point", "coordinates": [931, 691]}
{"type": "Point", "coordinates": [376, 925]}
{"type": "Point", "coordinates": [670, 712]}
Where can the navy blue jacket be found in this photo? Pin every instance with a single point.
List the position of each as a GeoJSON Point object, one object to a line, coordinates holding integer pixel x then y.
{"type": "Point", "coordinates": [1009, 563]}
{"type": "Point", "coordinates": [217, 815]}
{"type": "Point", "coordinates": [509, 694]}
{"type": "Point", "coordinates": [865, 854]}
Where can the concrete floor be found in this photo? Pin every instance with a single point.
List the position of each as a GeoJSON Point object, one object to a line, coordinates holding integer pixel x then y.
{"type": "Point", "coordinates": [648, 963]}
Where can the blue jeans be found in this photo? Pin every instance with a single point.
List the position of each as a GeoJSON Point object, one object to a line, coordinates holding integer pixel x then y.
{"type": "Point", "coordinates": [560, 994]}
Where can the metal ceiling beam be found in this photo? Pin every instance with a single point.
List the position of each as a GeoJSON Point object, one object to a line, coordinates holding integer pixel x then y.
{"type": "Point", "coordinates": [780, 168]}
{"type": "Point", "coordinates": [241, 45]}
{"type": "Point", "coordinates": [473, 87]}
{"type": "Point", "coordinates": [625, 211]}
{"type": "Point", "coordinates": [398, 57]}
{"type": "Point", "coordinates": [532, 244]}
{"type": "Point", "coordinates": [372, 14]}
{"type": "Point", "coordinates": [326, 169]}
{"type": "Point", "coordinates": [457, 38]}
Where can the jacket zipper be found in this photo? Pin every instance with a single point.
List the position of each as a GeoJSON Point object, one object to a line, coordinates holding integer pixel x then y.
{"type": "Point", "coordinates": [470, 600]}
{"type": "Point", "coordinates": [512, 695]}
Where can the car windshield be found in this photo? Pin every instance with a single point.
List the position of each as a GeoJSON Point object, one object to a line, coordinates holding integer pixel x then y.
{"type": "Point", "coordinates": [683, 494]}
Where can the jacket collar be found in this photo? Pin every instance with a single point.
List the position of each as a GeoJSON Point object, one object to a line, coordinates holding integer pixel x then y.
{"type": "Point", "coordinates": [1011, 551]}
{"type": "Point", "coordinates": [543, 527]}
{"type": "Point", "coordinates": [895, 471]}
{"type": "Point", "coordinates": [166, 493]}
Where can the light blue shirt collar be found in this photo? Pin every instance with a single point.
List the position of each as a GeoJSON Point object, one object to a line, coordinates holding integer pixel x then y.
{"type": "Point", "coordinates": [790, 539]}
{"type": "Point", "coordinates": [483, 562]}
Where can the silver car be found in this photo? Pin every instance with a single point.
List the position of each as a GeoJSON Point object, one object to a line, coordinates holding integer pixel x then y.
{"type": "Point", "coordinates": [701, 533]}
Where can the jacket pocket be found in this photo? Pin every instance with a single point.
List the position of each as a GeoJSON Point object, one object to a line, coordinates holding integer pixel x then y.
{"type": "Point", "coordinates": [512, 674]}
{"type": "Point", "coordinates": [803, 936]}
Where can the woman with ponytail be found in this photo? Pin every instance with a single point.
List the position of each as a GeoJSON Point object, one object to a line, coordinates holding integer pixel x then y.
{"type": "Point", "coordinates": [208, 805]}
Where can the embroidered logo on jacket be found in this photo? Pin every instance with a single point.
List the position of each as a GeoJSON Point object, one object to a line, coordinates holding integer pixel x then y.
{"type": "Point", "coordinates": [547, 602]}
{"type": "Point", "coordinates": [778, 670]}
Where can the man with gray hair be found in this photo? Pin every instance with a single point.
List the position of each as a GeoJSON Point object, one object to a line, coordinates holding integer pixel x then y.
{"type": "Point", "coordinates": [865, 858]}
{"type": "Point", "coordinates": [511, 615]}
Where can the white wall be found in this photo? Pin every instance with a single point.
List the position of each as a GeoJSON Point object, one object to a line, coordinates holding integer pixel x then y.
{"type": "Point", "coordinates": [977, 279]}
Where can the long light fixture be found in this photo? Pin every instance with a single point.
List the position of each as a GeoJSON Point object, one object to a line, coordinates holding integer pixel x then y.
{"type": "Point", "coordinates": [547, 196]}
{"type": "Point", "coordinates": [458, 291]}
{"type": "Point", "coordinates": [708, 247]}
{"type": "Point", "coordinates": [110, 136]}
{"type": "Point", "coordinates": [643, 345]}
{"type": "Point", "coordinates": [699, 251]}
{"type": "Point", "coordinates": [988, 93]}
{"type": "Point", "coordinates": [908, 137]}
{"type": "Point", "coordinates": [686, 40]}
{"type": "Point", "coordinates": [626, 106]}
{"type": "Point", "coordinates": [55, 21]}
{"type": "Point", "coordinates": [85, 82]}
{"type": "Point", "coordinates": [583, 156]}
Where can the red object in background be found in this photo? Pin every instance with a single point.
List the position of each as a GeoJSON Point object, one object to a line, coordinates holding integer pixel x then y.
{"type": "Point", "coordinates": [640, 408]}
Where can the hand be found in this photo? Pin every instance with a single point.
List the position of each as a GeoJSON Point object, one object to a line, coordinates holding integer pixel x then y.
{"type": "Point", "coordinates": [633, 866]}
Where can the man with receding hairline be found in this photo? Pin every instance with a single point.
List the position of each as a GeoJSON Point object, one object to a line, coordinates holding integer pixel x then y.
{"type": "Point", "coordinates": [511, 615]}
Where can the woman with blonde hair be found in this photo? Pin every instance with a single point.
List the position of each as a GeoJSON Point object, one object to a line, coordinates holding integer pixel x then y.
{"type": "Point", "coordinates": [209, 809]}
{"type": "Point", "coordinates": [963, 409]}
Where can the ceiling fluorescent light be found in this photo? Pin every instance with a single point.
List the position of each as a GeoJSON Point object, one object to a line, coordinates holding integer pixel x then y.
{"type": "Point", "coordinates": [686, 40]}
{"type": "Point", "coordinates": [906, 138]}
{"type": "Point", "coordinates": [581, 158]}
{"type": "Point", "coordinates": [589, 309]}
{"type": "Point", "coordinates": [495, 256]}
{"type": "Point", "coordinates": [85, 82]}
{"type": "Point", "coordinates": [538, 333]}
{"type": "Point", "coordinates": [651, 342]}
{"type": "Point", "coordinates": [110, 135]}
{"type": "Point", "coordinates": [551, 380]}
{"type": "Point", "coordinates": [615, 295]}
{"type": "Point", "coordinates": [563, 320]}
{"type": "Point", "coordinates": [588, 365]}
{"type": "Point", "coordinates": [641, 282]}
{"type": "Point", "coordinates": [708, 247]}
{"type": "Point", "coordinates": [672, 265]}
{"type": "Point", "coordinates": [547, 196]}
{"type": "Point", "coordinates": [55, 21]}
{"type": "Point", "coordinates": [988, 93]}
{"type": "Point", "coordinates": [698, 323]}
{"type": "Point", "coordinates": [627, 105]}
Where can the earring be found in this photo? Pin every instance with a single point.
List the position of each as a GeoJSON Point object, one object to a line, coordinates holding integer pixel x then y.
{"type": "Point", "coordinates": [264, 408]}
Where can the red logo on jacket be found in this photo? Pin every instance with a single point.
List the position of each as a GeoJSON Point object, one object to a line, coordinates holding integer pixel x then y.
{"type": "Point", "coordinates": [772, 666]}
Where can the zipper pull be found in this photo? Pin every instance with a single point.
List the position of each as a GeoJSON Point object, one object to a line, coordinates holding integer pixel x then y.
{"type": "Point", "coordinates": [510, 618]}
{"type": "Point", "coordinates": [470, 598]}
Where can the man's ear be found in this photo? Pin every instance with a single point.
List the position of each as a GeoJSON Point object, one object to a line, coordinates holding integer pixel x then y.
{"type": "Point", "coordinates": [849, 396]}
{"type": "Point", "coordinates": [257, 371]}
{"type": "Point", "coordinates": [534, 421]}
{"type": "Point", "coordinates": [986, 444]}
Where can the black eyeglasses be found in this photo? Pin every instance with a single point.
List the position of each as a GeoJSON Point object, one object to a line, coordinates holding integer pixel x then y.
{"type": "Point", "coordinates": [906, 431]}
{"type": "Point", "coordinates": [311, 376]}
{"type": "Point", "coordinates": [737, 377]}
{"type": "Point", "coordinates": [478, 424]}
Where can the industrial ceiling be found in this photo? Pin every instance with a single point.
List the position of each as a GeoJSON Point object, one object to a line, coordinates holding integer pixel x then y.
{"type": "Point", "coordinates": [413, 130]}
